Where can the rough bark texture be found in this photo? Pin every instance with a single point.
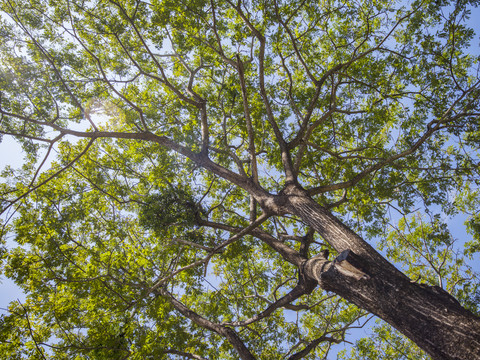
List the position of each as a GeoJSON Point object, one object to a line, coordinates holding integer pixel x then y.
{"type": "Point", "coordinates": [428, 315]}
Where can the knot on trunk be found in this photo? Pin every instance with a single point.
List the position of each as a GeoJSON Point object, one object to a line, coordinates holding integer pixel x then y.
{"type": "Point", "coordinates": [347, 263]}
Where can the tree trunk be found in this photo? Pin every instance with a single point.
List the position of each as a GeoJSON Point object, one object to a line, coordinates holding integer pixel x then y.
{"type": "Point", "coordinates": [428, 315]}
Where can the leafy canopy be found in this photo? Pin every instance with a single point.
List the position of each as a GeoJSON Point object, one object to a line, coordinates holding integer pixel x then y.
{"type": "Point", "coordinates": [370, 105]}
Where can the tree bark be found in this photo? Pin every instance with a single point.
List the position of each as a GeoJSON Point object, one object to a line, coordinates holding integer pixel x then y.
{"type": "Point", "coordinates": [428, 315]}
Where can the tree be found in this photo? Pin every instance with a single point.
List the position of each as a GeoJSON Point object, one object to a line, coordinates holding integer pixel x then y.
{"type": "Point", "coordinates": [239, 179]}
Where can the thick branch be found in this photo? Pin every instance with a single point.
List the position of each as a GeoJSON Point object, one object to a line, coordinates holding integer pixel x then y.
{"type": "Point", "coordinates": [225, 331]}
{"type": "Point", "coordinates": [286, 252]}
{"type": "Point", "coordinates": [200, 159]}
{"type": "Point", "coordinates": [184, 354]}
